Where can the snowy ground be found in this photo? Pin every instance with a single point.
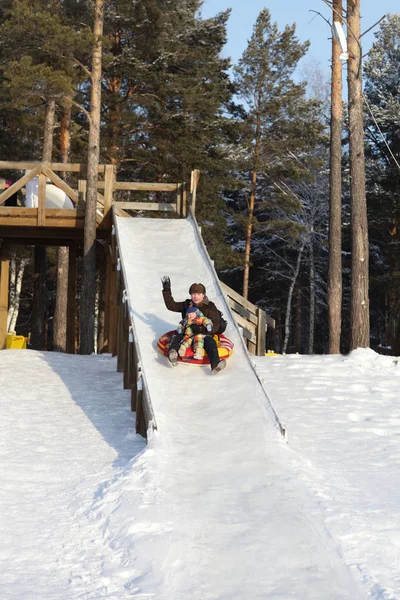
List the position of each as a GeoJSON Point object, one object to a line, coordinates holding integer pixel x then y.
{"type": "Point", "coordinates": [343, 418]}
{"type": "Point", "coordinates": [87, 511]}
{"type": "Point", "coordinates": [217, 506]}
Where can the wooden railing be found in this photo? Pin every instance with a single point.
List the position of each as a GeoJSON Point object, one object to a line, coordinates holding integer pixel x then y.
{"type": "Point", "coordinates": [251, 319]}
{"type": "Point", "coordinates": [109, 184]}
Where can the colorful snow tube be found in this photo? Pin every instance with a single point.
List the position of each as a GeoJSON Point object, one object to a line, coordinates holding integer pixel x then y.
{"type": "Point", "coordinates": [224, 345]}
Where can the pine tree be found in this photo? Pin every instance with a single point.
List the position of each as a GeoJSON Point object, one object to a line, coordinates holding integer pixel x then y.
{"type": "Point", "coordinates": [282, 123]}
{"type": "Point", "coordinates": [382, 90]}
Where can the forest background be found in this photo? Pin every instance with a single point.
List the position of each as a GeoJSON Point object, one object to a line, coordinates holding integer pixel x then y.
{"type": "Point", "coordinates": [172, 102]}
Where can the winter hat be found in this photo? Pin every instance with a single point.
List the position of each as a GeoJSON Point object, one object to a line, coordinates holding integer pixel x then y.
{"type": "Point", "coordinates": [191, 309]}
{"type": "Point", "coordinates": [197, 288]}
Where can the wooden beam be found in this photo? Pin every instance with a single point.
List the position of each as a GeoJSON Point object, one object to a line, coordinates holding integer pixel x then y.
{"type": "Point", "coordinates": [141, 186]}
{"type": "Point", "coordinates": [4, 277]}
{"type": "Point", "coordinates": [108, 251]}
{"type": "Point", "coordinates": [159, 206]}
{"type": "Point", "coordinates": [261, 333]}
{"type": "Point", "coordinates": [41, 220]}
{"type": "Point", "coordinates": [108, 188]}
{"type": "Point", "coordinates": [71, 306]}
{"type": "Point", "coordinates": [27, 165]}
{"type": "Point", "coordinates": [244, 312]}
{"type": "Point", "coordinates": [61, 184]}
{"type": "Point", "coordinates": [179, 200]}
{"type": "Point", "coordinates": [184, 200]}
{"type": "Point", "coordinates": [35, 170]}
{"type": "Point", "coordinates": [46, 233]}
{"type": "Point", "coordinates": [82, 194]}
{"type": "Point", "coordinates": [230, 292]}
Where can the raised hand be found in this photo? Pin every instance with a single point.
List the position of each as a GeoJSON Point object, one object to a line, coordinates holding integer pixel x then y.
{"type": "Point", "coordinates": [166, 284]}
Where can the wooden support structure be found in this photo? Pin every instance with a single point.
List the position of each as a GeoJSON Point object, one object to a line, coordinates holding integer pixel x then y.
{"type": "Point", "coordinates": [71, 305]}
{"type": "Point", "coordinates": [252, 320]}
{"type": "Point", "coordinates": [4, 283]}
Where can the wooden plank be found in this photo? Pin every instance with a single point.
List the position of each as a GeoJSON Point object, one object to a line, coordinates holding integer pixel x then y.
{"type": "Point", "coordinates": [71, 306]}
{"type": "Point", "coordinates": [17, 212]}
{"type": "Point", "coordinates": [245, 323]}
{"type": "Point", "coordinates": [251, 348]}
{"type": "Point", "coordinates": [107, 296]}
{"type": "Point", "coordinates": [35, 170]}
{"type": "Point", "coordinates": [179, 200]}
{"type": "Point", "coordinates": [18, 221]}
{"type": "Point", "coordinates": [60, 183]}
{"type": "Point", "coordinates": [41, 220]}
{"type": "Point", "coordinates": [82, 194]}
{"type": "Point", "coordinates": [108, 188]}
{"type": "Point", "coordinates": [230, 292]}
{"type": "Point", "coordinates": [46, 233]}
{"type": "Point", "coordinates": [184, 200]}
{"type": "Point", "coordinates": [269, 321]}
{"type": "Point", "coordinates": [64, 213]}
{"type": "Point", "coordinates": [140, 186]}
{"type": "Point", "coordinates": [261, 333]}
{"type": "Point", "coordinates": [27, 165]}
{"type": "Point", "coordinates": [128, 365]}
{"type": "Point", "coordinates": [194, 180]}
{"type": "Point", "coordinates": [4, 278]}
{"type": "Point", "coordinates": [72, 222]}
{"type": "Point", "coordinates": [244, 312]}
{"type": "Point", "coordinates": [159, 206]}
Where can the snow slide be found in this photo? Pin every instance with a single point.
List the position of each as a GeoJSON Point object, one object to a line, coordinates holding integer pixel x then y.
{"type": "Point", "coordinates": [222, 509]}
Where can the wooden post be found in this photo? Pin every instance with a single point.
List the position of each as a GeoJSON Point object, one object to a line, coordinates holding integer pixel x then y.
{"type": "Point", "coordinates": [179, 199]}
{"type": "Point", "coordinates": [128, 364]}
{"type": "Point", "coordinates": [107, 298]}
{"type": "Point", "coordinates": [184, 200]}
{"type": "Point", "coordinates": [261, 332]}
{"type": "Point", "coordinates": [41, 218]}
{"type": "Point", "coordinates": [108, 188]}
{"type": "Point", "coordinates": [121, 337]}
{"type": "Point", "coordinates": [82, 194]}
{"type": "Point", "coordinates": [4, 276]}
{"type": "Point", "coordinates": [193, 187]}
{"type": "Point", "coordinates": [113, 322]}
{"type": "Point", "coordinates": [71, 306]}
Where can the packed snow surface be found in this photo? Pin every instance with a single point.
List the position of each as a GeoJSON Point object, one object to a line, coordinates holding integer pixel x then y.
{"type": "Point", "coordinates": [217, 506]}
{"type": "Point", "coordinates": [343, 419]}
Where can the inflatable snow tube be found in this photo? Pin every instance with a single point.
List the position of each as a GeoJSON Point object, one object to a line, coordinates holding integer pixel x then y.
{"type": "Point", "coordinates": [224, 345]}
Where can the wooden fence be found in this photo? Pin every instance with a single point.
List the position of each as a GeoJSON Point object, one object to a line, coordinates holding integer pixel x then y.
{"type": "Point", "coordinates": [251, 319]}
{"type": "Point", "coordinates": [104, 201]}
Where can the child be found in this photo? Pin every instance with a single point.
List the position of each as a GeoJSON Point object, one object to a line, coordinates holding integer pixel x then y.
{"type": "Point", "coordinates": [193, 317]}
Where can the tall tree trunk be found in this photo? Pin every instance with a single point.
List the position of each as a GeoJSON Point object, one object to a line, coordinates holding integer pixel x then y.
{"type": "Point", "coordinates": [249, 229]}
{"type": "Point", "coordinates": [89, 250]}
{"type": "Point", "coordinates": [11, 290]}
{"type": "Point", "coordinates": [290, 296]}
{"type": "Point", "coordinates": [359, 315]}
{"type": "Point", "coordinates": [17, 294]}
{"type": "Point", "coordinates": [335, 205]}
{"type": "Point", "coordinates": [38, 305]}
{"type": "Point", "coordinates": [60, 313]}
{"type": "Point", "coordinates": [312, 295]}
{"type": "Point", "coordinates": [297, 344]}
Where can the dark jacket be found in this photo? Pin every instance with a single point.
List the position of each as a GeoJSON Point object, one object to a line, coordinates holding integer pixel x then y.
{"type": "Point", "coordinates": [207, 307]}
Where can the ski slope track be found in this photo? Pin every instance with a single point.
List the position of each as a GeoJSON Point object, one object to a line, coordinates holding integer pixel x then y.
{"type": "Point", "coordinates": [224, 510]}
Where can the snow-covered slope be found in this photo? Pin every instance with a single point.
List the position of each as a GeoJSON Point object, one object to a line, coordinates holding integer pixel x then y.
{"type": "Point", "coordinates": [232, 518]}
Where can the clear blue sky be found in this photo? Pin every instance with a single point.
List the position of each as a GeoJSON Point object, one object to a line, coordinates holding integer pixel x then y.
{"type": "Point", "coordinates": [309, 26]}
